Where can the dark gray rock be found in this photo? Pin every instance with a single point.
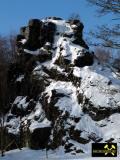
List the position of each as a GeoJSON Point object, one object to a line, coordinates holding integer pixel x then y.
{"type": "Point", "coordinates": [75, 135]}
{"type": "Point", "coordinates": [21, 110]}
{"type": "Point", "coordinates": [39, 138]}
{"type": "Point", "coordinates": [37, 34]}
{"type": "Point", "coordinates": [32, 36]}
{"type": "Point", "coordinates": [100, 113]}
{"type": "Point", "coordinates": [78, 31]}
{"type": "Point", "coordinates": [34, 23]}
{"type": "Point", "coordinates": [19, 37]}
{"type": "Point", "coordinates": [86, 60]}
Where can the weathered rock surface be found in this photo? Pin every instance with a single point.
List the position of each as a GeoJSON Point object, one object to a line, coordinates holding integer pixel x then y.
{"type": "Point", "coordinates": [60, 95]}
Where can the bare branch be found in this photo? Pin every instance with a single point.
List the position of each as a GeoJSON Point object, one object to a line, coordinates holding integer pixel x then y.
{"type": "Point", "coordinates": [107, 6]}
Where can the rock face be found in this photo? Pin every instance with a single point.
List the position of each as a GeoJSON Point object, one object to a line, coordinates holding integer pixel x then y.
{"type": "Point", "coordinates": [77, 27]}
{"type": "Point", "coordinates": [60, 94]}
{"type": "Point", "coordinates": [32, 36]}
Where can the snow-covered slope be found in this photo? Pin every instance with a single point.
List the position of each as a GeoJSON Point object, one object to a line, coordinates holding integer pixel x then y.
{"type": "Point", "coordinates": [64, 96]}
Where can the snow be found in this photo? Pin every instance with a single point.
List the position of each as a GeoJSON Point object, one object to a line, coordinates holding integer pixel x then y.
{"type": "Point", "coordinates": [67, 103]}
{"type": "Point", "coordinates": [26, 153]}
{"type": "Point", "coordinates": [23, 41]}
{"type": "Point", "coordinates": [94, 86]}
{"type": "Point", "coordinates": [87, 125]}
{"type": "Point", "coordinates": [37, 52]}
{"type": "Point", "coordinates": [70, 51]}
{"type": "Point", "coordinates": [40, 73]}
{"type": "Point", "coordinates": [21, 103]}
{"type": "Point", "coordinates": [111, 127]}
{"type": "Point", "coordinates": [47, 44]}
{"type": "Point", "coordinates": [73, 26]}
{"type": "Point", "coordinates": [62, 26]}
{"type": "Point", "coordinates": [45, 123]}
{"type": "Point", "coordinates": [20, 78]}
{"type": "Point", "coordinates": [13, 126]}
{"type": "Point", "coordinates": [42, 121]}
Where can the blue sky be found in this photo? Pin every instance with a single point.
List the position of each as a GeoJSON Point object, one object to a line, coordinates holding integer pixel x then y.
{"type": "Point", "coordinates": [16, 13]}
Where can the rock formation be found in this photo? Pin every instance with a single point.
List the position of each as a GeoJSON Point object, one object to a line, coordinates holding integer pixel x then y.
{"type": "Point", "coordinates": [61, 95]}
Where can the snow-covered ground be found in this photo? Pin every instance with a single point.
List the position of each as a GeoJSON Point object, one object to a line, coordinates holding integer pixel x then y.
{"type": "Point", "coordinates": [27, 154]}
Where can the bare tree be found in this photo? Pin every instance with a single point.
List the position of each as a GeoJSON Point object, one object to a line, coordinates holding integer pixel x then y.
{"type": "Point", "coordinates": [12, 45]}
{"type": "Point", "coordinates": [107, 6]}
{"type": "Point", "coordinates": [3, 104]}
{"type": "Point", "coordinates": [7, 48]}
{"type": "Point", "coordinates": [7, 53]}
{"type": "Point", "coordinates": [103, 55]}
{"type": "Point", "coordinates": [6, 56]}
{"type": "Point", "coordinates": [108, 36]}
{"type": "Point", "coordinates": [74, 16]}
{"type": "Point", "coordinates": [116, 62]}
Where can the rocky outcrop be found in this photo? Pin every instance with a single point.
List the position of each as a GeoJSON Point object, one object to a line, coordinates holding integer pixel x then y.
{"type": "Point", "coordinates": [78, 27]}
{"type": "Point", "coordinates": [32, 37]}
{"type": "Point", "coordinates": [55, 84]}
